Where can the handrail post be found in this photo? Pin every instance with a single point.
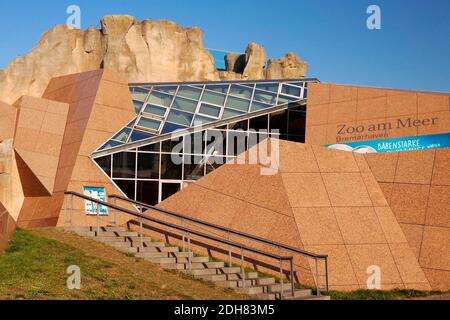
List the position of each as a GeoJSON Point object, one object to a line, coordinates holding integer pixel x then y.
{"type": "Point", "coordinates": [141, 229]}
{"type": "Point", "coordinates": [281, 280]}
{"type": "Point", "coordinates": [184, 237]}
{"type": "Point", "coordinates": [229, 252]}
{"type": "Point", "coordinates": [71, 210]}
{"type": "Point", "coordinates": [98, 219]}
{"type": "Point", "coordinates": [114, 213]}
{"type": "Point", "coordinates": [318, 277]}
{"type": "Point", "coordinates": [243, 268]}
{"type": "Point", "coordinates": [190, 253]}
{"type": "Point", "coordinates": [292, 277]}
{"type": "Point", "coordinates": [65, 209]}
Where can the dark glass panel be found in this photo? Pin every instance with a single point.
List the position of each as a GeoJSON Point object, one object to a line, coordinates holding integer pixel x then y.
{"type": "Point", "coordinates": [237, 142]}
{"type": "Point", "coordinates": [222, 88]}
{"type": "Point", "coordinates": [194, 168]}
{"type": "Point", "coordinates": [169, 127]}
{"type": "Point", "coordinates": [285, 99]}
{"type": "Point", "coordinates": [156, 110]}
{"type": "Point", "coordinates": [169, 169]}
{"type": "Point", "coordinates": [127, 187]}
{"type": "Point", "coordinates": [255, 138]}
{"type": "Point", "coordinates": [139, 135]}
{"type": "Point", "coordinates": [256, 106]}
{"type": "Point", "coordinates": [111, 144]}
{"type": "Point", "coordinates": [189, 92]}
{"type": "Point", "coordinates": [123, 135]}
{"type": "Point", "coordinates": [185, 105]}
{"type": "Point", "coordinates": [180, 118]}
{"type": "Point", "coordinates": [124, 165]}
{"type": "Point", "coordinates": [194, 143]}
{"type": "Point", "coordinates": [242, 125]}
{"type": "Point", "coordinates": [105, 164]}
{"type": "Point", "coordinates": [169, 189]}
{"type": "Point", "coordinates": [238, 104]}
{"type": "Point", "coordinates": [161, 99]}
{"type": "Point", "coordinates": [268, 86]}
{"type": "Point", "coordinates": [139, 94]}
{"type": "Point", "coordinates": [200, 120]}
{"type": "Point", "coordinates": [213, 97]}
{"type": "Point", "coordinates": [148, 192]}
{"type": "Point", "coordinates": [166, 89]}
{"type": "Point", "coordinates": [278, 121]}
{"type": "Point", "coordinates": [260, 123]}
{"type": "Point", "coordinates": [138, 106]}
{"type": "Point", "coordinates": [242, 92]}
{"type": "Point", "coordinates": [290, 90]}
{"type": "Point", "coordinates": [210, 110]}
{"type": "Point", "coordinates": [213, 163]}
{"type": "Point", "coordinates": [297, 123]}
{"type": "Point", "coordinates": [228, 113]}
{"type": "Point", "coordinates": [265, 97]}
{"type": "Point", "coordinates": [155, 147]}
{"type": "Point", "coordinates": [216, 142]}
{"type": "Point", "coordinates": [148, 166]}
{"type": "Point", "coordinates": [150, 124]}
{"type": "Point", "coordinates": [175, 145]}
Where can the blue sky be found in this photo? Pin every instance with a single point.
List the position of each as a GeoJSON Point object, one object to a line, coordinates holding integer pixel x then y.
{"type": "Point", "coordinates": [411, 51]}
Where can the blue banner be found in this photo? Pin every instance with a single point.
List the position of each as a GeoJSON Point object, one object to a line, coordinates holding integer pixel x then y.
{"type": "Point", "coordinates": [435, 141]}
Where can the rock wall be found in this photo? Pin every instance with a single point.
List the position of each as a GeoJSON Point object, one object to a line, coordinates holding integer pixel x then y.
{"type": "Point", "coordinates": [147, 51]}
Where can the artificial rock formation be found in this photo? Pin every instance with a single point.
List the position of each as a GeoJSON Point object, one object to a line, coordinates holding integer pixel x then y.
{"type": "Point", "coordinates": [147, 51]}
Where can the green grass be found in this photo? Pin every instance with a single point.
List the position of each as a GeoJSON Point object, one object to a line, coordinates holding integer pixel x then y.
{"type": "Point", "coordinates": [397, 294]}
{"type": "Point", "coordinates": [34, 268]}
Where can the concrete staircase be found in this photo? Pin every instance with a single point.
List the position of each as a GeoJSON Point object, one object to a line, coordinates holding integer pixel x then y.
{"type": "Point", "coordinates": [171, 258]}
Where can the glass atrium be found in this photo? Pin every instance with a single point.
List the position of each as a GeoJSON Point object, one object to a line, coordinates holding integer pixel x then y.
{"type": "Point", "coordinates": [184, 131]}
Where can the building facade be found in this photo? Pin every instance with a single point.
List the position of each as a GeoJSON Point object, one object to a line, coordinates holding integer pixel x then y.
{"type": "Point", "coordinates": [360, 174]}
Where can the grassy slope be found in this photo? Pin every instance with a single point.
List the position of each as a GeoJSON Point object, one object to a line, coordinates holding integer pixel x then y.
{"type": "Point", "coordinates": [34, 267]}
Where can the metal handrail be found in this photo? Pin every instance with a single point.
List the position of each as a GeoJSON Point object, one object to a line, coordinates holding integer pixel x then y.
{"type": "Point", "coordinates": [140, 215]}
{"type": "Point", "coordinates": [235, 232]}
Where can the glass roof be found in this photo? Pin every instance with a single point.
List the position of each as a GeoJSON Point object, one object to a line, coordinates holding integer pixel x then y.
{"type": "Point", "coordinates": [165, 108]}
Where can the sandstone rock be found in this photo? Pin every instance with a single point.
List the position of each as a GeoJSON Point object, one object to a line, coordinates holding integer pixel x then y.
{"type": "Point", "coordinates": [235, 62]}
{"type": "Point", "coordinates": [255, 62]}
{"type": "Point", "coordinates": [288, 67]}
{"type": "Point", "coordinates": [147, 51]}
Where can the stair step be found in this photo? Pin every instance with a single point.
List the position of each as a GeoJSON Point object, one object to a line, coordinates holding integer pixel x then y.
{"type": "Point", "coordinates": [319, 298]}
{"type": "Point", "coordinates": [181, 254]}
{"type": "Point", "coordinates": [277, 287]}
{"type": "Point", "coordinates": [193, 260]}
{"type": "Point", "coordinates": [266, 281]}
{"type": "Point", "coordinates": [146, 255]}
{"type": "Point", "coordinates": [110, 239]}
{"type": "Point", "coordinates": [158, 249]}
{"type": "Point", "coordinates": [230, 277]}
{"type": "Point", "coordinates": [147, 244]}
{"type": "Point", "coordinates": [251, 290]}
{"type": "Point", "coordinates": [297, 294]}
{"type": "Point", "coordinates": [230, 270]}
{"type": "Point", "coordinates": [112, 228]}
{"type": "Point", "coordinates": [236, 284]}
{"type": "Point", "coordinates": [200, 272]}
{"type": "Point", "coordinates": [161, 260]}
{"type": "Point", "coordinates": [127, 249]}
{"type": "Point", "coordinates": [138, 239]}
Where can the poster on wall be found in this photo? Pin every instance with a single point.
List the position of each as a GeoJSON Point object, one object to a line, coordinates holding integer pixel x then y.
{"type": "Point", "coordinates": [435, 141]}
{"type": "Point", "coordinates": [98, 193]}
